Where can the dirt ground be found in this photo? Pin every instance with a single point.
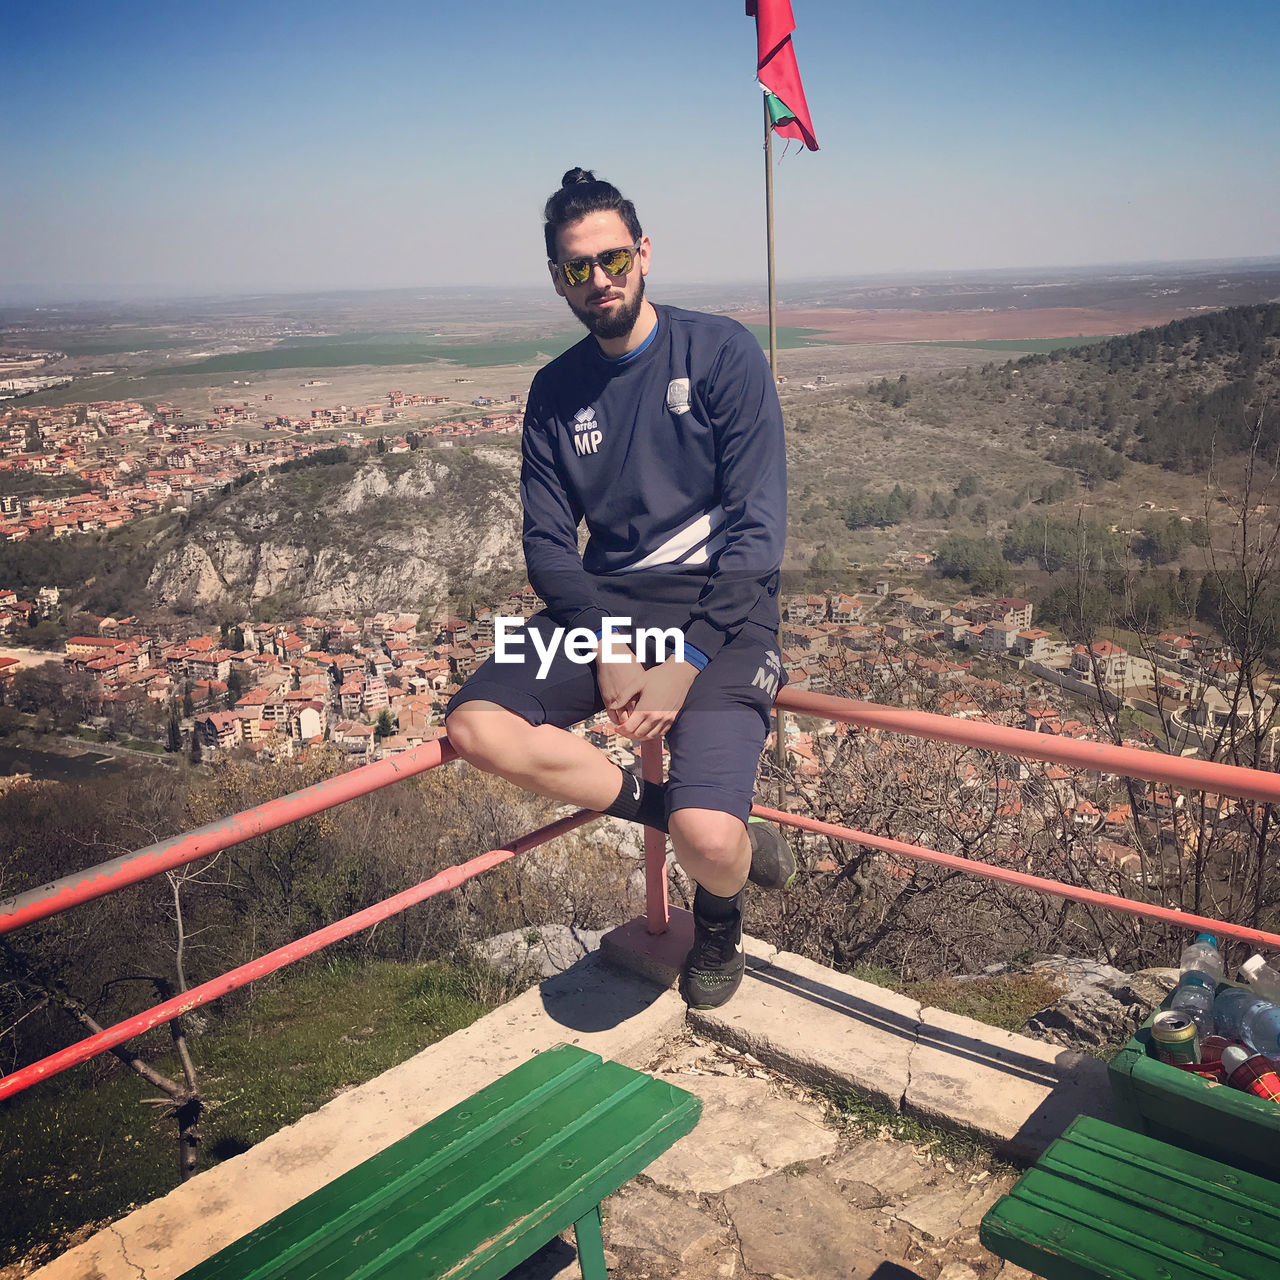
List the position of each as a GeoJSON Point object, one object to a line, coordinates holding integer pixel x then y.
{"type": "Point", "coordinates": [839, 325]}
{"type": "Point", "coordinates": [869, 346]}
{"type": "Point", "coordinates": [29, 657]}
{"type": "Point", "coordinates": [296, 392]}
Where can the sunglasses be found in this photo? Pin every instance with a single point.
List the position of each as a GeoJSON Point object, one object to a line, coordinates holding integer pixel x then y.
{"type": "Point", "coordinates": [613, 262]}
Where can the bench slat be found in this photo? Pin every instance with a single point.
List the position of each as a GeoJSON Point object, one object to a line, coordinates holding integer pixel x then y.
{"type": "Point", "coordinates": [525, 1206]}
{"type": "Point", "coordinates": [1103, 1201]}
{"type": "Point", "coordinates": [505, 1170]}
{"type": "Point", "coordinates": [1096, 1141]}
{"type": "Point", "coordinates": [1058, 1249]}
{"type": "Point", "coordinates": [449, 1136]}
{"type": "Point", "coordinates": [1176, 1186]}
{"type": "Point", "coordinates": [520, 1169]}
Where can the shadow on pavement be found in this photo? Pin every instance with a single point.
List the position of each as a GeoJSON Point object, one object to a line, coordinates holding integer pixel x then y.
{"type": "Point", "coordinates": [591, 996]}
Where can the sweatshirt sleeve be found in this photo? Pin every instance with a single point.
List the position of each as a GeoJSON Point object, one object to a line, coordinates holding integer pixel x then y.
{"type": "Point", "coordinates": [551, 519]}
{"type": "Point", "coordinates": [751, 465]}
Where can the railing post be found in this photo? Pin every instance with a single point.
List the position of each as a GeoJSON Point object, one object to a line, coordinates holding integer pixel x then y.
{"type": "Point", "coordinates": [655, 848]}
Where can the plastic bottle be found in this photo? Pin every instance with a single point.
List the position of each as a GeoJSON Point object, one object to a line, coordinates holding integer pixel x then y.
{"type": "Point", "coordinates": [1193, 996]}
{"type": "Point", "coordinates": [1262, 978]}
{"type": "Point", "coordinates": [1242, 1014]}
{"type": "Point", "coordinates": [1203, 956]}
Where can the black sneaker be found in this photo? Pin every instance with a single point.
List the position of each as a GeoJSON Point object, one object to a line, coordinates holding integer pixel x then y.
{"type": "Point", "coordinates": [713, 969]}
{"type": "Point", "coordinates": [773, 865]}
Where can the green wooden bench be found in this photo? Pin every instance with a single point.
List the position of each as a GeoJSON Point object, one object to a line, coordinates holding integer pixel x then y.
{"type": "Point", "coordinates": [480, 1188]}
{"type": "Point", "coordinates": [1106, 1202]}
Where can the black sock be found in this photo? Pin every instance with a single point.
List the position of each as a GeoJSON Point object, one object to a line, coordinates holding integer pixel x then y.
{"type": "Point", "coordinates": [641, 801]}
{"type": "Point", "coordinates": [707, 906]}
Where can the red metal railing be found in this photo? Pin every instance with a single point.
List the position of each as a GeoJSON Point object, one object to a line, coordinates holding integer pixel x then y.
{"type": "Point", "coordinates": [1153, 766]}
{"type": "Point", "coordinates": [95, 882]}
{"type": "Point", "coordinates": [165, 855]}
{"type": "Point", "coordinates": [1007, 875]}
{"type": "Point", "coordinates": [657, 909]}
{"type": "Point", "coordinates": [449, 878]}
{"type": "Point", "coordinates": [61, 895]}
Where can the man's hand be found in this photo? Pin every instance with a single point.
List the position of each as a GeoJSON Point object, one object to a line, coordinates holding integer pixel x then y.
{"type": "Point", "coordinates": [620, 684]}
{"type": "Point", "coordinates": [665, 689]}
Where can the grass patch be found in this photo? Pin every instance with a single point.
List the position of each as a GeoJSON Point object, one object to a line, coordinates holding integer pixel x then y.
{"type": "Point", "coordinates": [84, 1148]}
{"type": "Point", "coordinates": [1105, 1052]}
{"type": "Point", "coordinates": [867, 1118]}
{"type": "Point", "coordinates": [351, 350]}
{"type": "Point", "coordinates": [99, 736]}
{"type": "Point", "coordinates": [1004, 1000]}
{"type": "Point", "coordinates": [789, 337]}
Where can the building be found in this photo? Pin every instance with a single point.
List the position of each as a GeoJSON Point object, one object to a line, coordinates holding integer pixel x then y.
{"type": "Point", "coordinates": [1033, 643]}
{"type": "Point", "coordinates": [220, 729]}
{"type": "Point", "coordinates": [1107, 658]}
{"type": "Point", "coordinates": [999, 637]}
{"type": "Point", "coordinates": [1011, 610]}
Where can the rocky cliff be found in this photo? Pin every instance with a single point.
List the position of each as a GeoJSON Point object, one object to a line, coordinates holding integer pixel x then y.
{"type": "Point", "coordinates": [380, 533]}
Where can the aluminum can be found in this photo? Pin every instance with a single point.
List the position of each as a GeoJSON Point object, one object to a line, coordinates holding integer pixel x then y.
{"type": "Point", "coordinates": [1174, 1038]}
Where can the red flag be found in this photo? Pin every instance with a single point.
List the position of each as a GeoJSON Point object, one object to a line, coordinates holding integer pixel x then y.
{"type": "Point", "coordinates": [776, 67]}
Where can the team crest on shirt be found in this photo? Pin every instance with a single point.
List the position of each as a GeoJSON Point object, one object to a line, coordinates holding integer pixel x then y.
{"type": "Point", "coordinates": [586, 432]}
{"type": "Point", "coordinates": [678, 396]}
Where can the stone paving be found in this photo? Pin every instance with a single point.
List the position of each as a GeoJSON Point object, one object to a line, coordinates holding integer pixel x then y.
{"type": "Point", "coordinates": [774, 1184]}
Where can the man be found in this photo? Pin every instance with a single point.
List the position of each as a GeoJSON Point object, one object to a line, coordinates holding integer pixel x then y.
{"type": "Point", "coordinates": [662, 430]}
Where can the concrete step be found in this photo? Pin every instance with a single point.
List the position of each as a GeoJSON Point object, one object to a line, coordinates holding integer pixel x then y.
{"type": "Point", "coordinates": [831, 1031]}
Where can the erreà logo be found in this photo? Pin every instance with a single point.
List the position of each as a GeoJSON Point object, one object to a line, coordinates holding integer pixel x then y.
{"type": "Point", "coordinates": [586, 432]}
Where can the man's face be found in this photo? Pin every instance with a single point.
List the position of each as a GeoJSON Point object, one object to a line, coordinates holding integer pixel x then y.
{"type": "Point", "coordinates": [608, 305]}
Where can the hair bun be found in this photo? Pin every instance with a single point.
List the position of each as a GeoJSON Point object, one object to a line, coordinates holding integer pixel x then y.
{"type": "Point", "coordinates": [580, 194]}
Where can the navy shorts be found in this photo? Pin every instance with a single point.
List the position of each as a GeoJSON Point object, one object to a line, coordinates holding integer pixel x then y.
{"type": "Point", "coordinates": [716, 740]}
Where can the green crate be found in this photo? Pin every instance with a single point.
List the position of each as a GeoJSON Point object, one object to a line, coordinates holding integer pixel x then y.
{"type": "Point", "coordinates": [1192, 1112]}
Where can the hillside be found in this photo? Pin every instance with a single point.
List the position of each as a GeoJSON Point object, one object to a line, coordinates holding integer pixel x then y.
{"type": "Point", "coordinates": [1125, 429]}
{"type": "Point", "coordinates": [1120, 434]}
{"type": "Point", "coordinates": [389, 532]}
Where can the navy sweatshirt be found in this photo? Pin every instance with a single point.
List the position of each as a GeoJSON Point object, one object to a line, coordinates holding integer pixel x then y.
{"type": "Point", "coordinates": [675, 459]}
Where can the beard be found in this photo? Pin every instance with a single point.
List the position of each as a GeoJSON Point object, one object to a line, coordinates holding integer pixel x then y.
{"type": "Point", "coordinates": [615, 324]}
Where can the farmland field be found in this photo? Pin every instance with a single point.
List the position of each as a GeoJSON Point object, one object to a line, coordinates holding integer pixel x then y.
{"type": "Point", "coordinates": [789, 337]}
{"type": "Point", "coordinates": [1031, 346]}
{"type": "Point", "coordinates": [350, 350]}
{"type": "Point", "coordinates": [131, 340]}
{"type": "Point", "coordinates": [341, 353]}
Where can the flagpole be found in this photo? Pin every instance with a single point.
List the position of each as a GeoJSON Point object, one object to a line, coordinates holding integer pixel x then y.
{"type": "Point", "coordinates": [768, 217]}
{"type": "Point", "coordinates": [779, 716]}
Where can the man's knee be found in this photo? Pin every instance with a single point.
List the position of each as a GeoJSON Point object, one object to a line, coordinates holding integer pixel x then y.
{"type": "Point", "coordinates": [717, 837]}
{"type": "Point", "coordinates": [479, 731]}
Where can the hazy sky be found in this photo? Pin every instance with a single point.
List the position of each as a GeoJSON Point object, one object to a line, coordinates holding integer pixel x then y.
{"type": "Point", "coordinates": [243, 147]}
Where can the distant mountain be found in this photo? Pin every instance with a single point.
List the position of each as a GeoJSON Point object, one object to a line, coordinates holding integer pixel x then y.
{"type": "Point", "coordinates": [1126, 428]}
{"type": "Point", "coordinates": [398, 532]}
{"type": "Point", "coordinates": [1121, 426]}
{"type": "Point", "coordinates": [1198, 387]}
